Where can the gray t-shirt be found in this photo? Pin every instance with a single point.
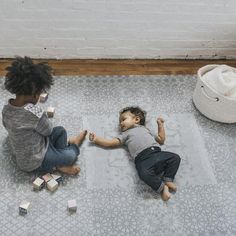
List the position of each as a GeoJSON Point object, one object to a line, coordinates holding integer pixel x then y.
{"type": "Point", "coordinates": [137, 139]}
{"type": "Point", "coordinates": [28, 128]}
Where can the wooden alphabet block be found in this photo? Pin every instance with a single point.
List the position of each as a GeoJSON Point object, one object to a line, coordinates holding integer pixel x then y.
{"type": "Point", "coordinates": [38, 184]}
{"type": "Point", "coordinates": [57, 177]}
{"type": "Point", "coordinates": [52, 185]}
{"type": "Point", "coordinates": [24, 207]}
{"type": "Point", "coordinates": [50, 112]}
{"type": "Point", "coordinates": [43, 97]}
{"type": "Point", "coordinates": [47, 177]}
{"type": "Point", "coordinates": [72, 205]}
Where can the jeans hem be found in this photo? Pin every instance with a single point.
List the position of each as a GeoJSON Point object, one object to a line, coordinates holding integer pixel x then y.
{"type": "Point", "coordinates": [160, 189]}
{"type": "Point", "coordinates": [167, 179]}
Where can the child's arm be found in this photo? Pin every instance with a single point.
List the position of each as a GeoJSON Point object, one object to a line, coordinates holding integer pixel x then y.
{"type": "Point", "coordinates": [44, 126]}
{"type": "Point", "coordinates": [115, 142]}
{"type": "Point", "coordinates": [161, 136]}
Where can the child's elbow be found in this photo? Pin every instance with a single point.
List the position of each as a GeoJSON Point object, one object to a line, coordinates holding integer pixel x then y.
{"type": "Point", "coordinates": [161, 143]}
{"type": "Point", "coordinates": [114, 143]}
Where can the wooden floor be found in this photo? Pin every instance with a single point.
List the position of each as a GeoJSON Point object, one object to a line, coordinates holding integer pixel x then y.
{"type": "Point", "coordinates": [123, 67]}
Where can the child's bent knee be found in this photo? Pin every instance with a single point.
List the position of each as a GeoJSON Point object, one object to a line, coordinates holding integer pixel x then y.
{"type": "Point", "coordinates": [177, 158]}
{"type": "Point", "coordinates": [60, 129]}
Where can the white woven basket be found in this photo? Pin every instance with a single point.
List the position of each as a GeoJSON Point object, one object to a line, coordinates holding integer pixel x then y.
{"type": "Point", "coordinates": [212, 104]}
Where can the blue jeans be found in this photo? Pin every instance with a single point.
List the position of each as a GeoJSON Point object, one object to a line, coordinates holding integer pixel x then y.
{"type": "Point", "coordinates": [156, 167]}
{"type": "Point", "coordinates": [59, 152]}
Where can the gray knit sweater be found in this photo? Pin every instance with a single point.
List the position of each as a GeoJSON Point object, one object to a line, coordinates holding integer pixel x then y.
{"type": "Point", "coordinates": [28, 129]}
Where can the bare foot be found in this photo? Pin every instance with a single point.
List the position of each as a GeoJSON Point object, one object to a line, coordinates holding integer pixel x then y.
{"type": "Point", "coordinates": [69, 170]}
{"type": "Point", "coordinates": [171, 186]}
{"type": "Point", "coordinates": [165, 195]}
{"type": "Point", "coordinates": [78, 139]}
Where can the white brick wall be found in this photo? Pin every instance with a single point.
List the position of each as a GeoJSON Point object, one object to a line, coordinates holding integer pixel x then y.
{"type": "Point", "coordinates": [118, 28]}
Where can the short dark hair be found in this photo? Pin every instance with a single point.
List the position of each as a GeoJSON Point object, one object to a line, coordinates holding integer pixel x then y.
{"type": "Point", "coordinates": [26, 78]}
{"type": "Point", "coordinates": [137, 111]}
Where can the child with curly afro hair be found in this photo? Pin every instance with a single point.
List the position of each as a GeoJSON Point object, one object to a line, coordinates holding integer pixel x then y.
{"type": "Point", "coordinates": [36, 144]}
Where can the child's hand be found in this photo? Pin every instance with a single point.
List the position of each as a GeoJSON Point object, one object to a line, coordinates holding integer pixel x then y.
{"type": "Point", "coordinates": [92, 137]}
{"type": "Point", "coordinates": [160, 121]}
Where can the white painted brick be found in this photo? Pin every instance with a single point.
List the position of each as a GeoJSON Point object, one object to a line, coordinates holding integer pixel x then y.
{"type": "Point", "coordinates": [118, 29]}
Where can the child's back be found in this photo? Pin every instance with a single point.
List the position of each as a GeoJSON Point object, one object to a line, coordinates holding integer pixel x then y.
{"type": "Point", "coordinates": [28, 128]}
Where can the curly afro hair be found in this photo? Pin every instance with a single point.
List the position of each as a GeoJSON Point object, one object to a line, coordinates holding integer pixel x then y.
{"type": "Point", "coordinates": [26, 78]}
{"type": "Point", "coordinates": [137, 111]}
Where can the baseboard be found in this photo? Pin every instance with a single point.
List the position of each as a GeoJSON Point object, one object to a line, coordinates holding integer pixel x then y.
{"type": "Point", "coordinates": [123, 66]}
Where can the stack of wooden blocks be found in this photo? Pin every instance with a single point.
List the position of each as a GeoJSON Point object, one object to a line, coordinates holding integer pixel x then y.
{"type": "Point", "coordinates": [50, 180]}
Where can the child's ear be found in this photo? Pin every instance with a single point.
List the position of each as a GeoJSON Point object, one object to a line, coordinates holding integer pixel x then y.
{"type": "Point", "coordinates": [137, 119]}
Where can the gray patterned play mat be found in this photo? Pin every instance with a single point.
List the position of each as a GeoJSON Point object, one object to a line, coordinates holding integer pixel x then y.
{"type": "Point", "coordinates": [110, 197]}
